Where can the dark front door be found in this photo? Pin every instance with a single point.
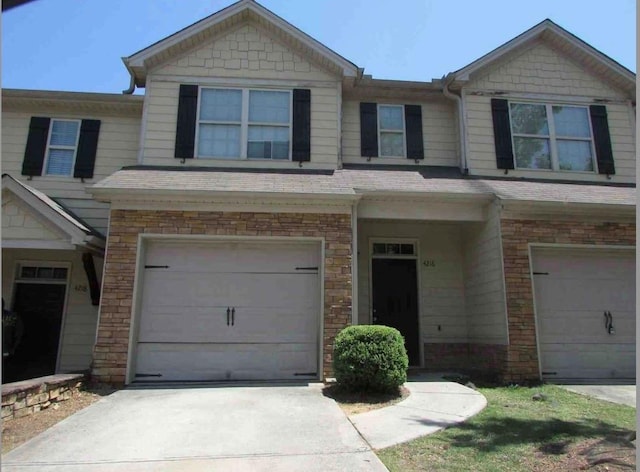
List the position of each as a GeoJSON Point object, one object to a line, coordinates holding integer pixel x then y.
{"type": "Point", "coordinates": [38, 310]}
{"type": "Point", "coordinates": [395, 300]}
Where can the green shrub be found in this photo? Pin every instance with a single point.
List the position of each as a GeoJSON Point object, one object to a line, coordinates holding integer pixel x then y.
{"type": "Point", "coordinates": [370, 358]}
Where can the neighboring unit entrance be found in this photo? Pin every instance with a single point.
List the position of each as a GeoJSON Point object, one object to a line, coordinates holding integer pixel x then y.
{"type": "Point", "coordinates": [585, 311]}
{"type": "Point", "coordinates": [38, 306]}
{"type": "Point", "coordinates": [394, 286]}
{"type": "Point", "coordinates": [229, 311]}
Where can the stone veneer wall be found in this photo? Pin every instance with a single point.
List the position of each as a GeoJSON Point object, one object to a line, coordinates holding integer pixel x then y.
{"type": "Point", "coordinates": [522, 355]}
{"type": "Point", "coordinates": [30, 396]}
{"type": "Point", "coordinates": [110, 352]}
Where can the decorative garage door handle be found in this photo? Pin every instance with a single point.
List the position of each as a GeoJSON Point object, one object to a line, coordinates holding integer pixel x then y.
{"type": "Point", "coordinates": [231, 315]}
{"type": "Point", "coordinates": [608, 322]}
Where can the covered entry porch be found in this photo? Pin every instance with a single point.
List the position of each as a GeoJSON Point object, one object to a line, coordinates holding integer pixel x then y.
{"type": "Point", "coordinates": [433, 270]}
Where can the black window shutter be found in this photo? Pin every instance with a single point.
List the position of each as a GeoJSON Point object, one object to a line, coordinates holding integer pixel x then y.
{"type": "Point", "coordinates": [301, 146]}
{"type": "Point", "coordinates": [502, 133]}
{"type": "Point", "coordinates": [369, 129]}
{"type": "Point", "coordinates": [87, 147]}
{"type": "Point", "coordinates": [186, 126]}
{"type": "Point", "coordinates": [413, 126]}
{"type": "Point", "coordinates": [36, 146]}
{"type": "Point", "coordinates": [602, 139]}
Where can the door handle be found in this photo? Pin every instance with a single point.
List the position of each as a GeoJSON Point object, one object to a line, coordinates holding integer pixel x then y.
{"type": "Point", "coordinates": [233, 316]}
{"type": "Point", "coordinates": [228, 313]}
{"type": "Point", "coordinates": [608, 322]}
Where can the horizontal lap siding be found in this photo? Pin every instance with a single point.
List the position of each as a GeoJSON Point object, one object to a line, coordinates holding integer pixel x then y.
{"type": "Point", "coordinates": [439, 131]}
{"type": "Point", "coordinates": [484, 288]}
{"type": "Point", "coordinates": [118, 144]}
{"type": "Point", "coordinates": [441, 290]}
{"type": "Point", "coordinates": [245, 54]}
{"type": "Point", "coordinates": [543, 73]}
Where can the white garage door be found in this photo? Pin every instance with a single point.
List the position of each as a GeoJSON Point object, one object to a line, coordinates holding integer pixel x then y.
{"type": "Point", "coordinates": [231, 311]}
{"type": "Point", "coordinates": [573, 291]}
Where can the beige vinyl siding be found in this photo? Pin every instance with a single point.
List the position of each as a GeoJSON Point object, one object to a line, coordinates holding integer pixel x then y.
{"type": "Point", "coordinates": [441, 289]}
{"type": "Point", "coordinates": [439, 132]}
{"type": "Point", "coordinates": [80, 318]}
{"type": "Point", "coordinates": [543, 75]}
{"type": "Point", "coordinates": [117, 147]}
{"type": "Point", "coordinates": [19, 222]}
{"type": "Point", "coordinates": [245, 58]}
{"type": "Point", "coordinates": [484, 281]}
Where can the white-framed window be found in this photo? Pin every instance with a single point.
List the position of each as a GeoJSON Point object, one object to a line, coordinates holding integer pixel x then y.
{"type": "Point", "coordinates": [244, 124]}
{"type": "Point", "coordinates": [62, 145]}
{"type": "Point", "coordinates": [391, 131]}
{"type": "Point", "coordinates": [552, 137]}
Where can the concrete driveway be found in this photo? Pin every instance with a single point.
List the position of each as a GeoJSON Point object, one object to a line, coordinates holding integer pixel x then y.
{"type": "Point", "coordinates": [622, 394]}
{"type": "Point", "coordinates": [256, 428]}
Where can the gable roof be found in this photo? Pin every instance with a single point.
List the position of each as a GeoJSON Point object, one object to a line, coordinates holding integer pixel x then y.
{"type": "Point", "coordinates": [243, 10]}
{"type": "Point", "coordinates": [560, 39]}
{"type": "Point", "coordinates": [78, 232]}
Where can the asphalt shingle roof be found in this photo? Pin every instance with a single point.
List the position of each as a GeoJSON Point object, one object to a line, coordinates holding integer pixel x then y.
{"type": "Point", "coordinates": [345, 182]}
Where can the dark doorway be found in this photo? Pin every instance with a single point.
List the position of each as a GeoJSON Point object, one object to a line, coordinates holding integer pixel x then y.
{"type": "Point", "coordinates": [38, 312]}
{"type": "Point", "coordinates": [395, 300]}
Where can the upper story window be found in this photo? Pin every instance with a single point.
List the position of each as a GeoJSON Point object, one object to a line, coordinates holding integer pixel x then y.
{"type": "Point", "coordinates": [391, 130]}
{"type": "Point", "coordinates": [237, 123]}
{"type": "Point", "coordinates": [554, 137]}
{"type": "Point", "coordinates": [244, 124]}
{"type": "Point", "coordinates": [62, 146]}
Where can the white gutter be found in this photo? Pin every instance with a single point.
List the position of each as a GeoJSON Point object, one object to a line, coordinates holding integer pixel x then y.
{"type": "Point", "coordinates": [463, 134]}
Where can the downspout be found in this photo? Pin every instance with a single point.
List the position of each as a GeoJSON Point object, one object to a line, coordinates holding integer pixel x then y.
{"type": "Point", "coordinates": [447, 81]}
{"type": "Point", "coordinates": [132, 82]}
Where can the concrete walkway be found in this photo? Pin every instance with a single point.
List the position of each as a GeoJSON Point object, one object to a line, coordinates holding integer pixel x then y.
{"type": "Point", "coordinates": [434, 404]}
{"type": "Point", "coordinates": [622, 394]}
{"type": "Point", "coordinates": [241, 428]}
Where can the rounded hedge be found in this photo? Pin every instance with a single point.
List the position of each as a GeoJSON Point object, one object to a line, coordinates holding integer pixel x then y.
{"type": "Point", "coordinates": [370, 358]}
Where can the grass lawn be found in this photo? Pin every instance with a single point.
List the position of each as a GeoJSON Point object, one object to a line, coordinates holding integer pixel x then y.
{"type": "Point", "coordinates": [565, 431]}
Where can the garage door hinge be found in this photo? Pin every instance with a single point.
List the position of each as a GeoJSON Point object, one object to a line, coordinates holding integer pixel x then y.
{"type": "Point", "coordinates": [306, 268]}
{"type": "Point", "coordinates": [148, 375]}
{"type": "Point", "coordinates": [541, 273]}
{"type": "Point", "coordinates": [306, 374]}
{"type": "Point", "coordinates": [156, 267]}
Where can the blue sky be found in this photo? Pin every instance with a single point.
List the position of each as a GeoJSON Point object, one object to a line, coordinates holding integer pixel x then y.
{"type": "Point", "coordinates": [76, 45]}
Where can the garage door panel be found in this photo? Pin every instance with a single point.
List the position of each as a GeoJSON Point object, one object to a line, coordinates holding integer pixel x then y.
{"type": "Point", "coordinates": [184, 362]}
{"type": "Point", "coordinates": [226, 289]}
{"type": "Point", "coordinates": [572, 292]}
{"type": "Point", "coordinates": [551, 292]}
{"type": "Point", "coordinates": [167, 323]}
{"type": "Point", "coordinates": [586, 326]}
{"type": "Point", "coordinates": [563, 264]}
{"type": "Point", "coordinates": [272, 295]}
{"type": "Point", "coordinates": [263, 325]}
{"type": "Point", "coordinates": [274, 290]}
{"type": "Point", "coordinates": [595, 362]}
{"type": "Point", "coordinates": [233, 257]}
